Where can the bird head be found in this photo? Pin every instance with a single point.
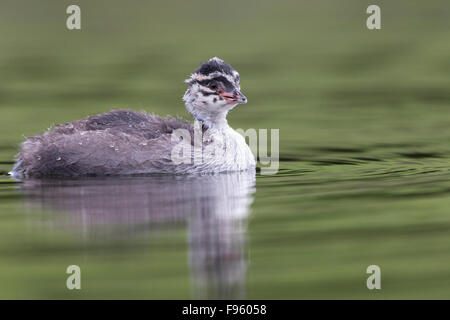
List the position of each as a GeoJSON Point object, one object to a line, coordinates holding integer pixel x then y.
{"type": "Point", "coordinates": [213, 90]}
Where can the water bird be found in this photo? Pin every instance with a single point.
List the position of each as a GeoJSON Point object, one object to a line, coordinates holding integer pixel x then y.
{"type": "Point", "coordinates": [129, 142]}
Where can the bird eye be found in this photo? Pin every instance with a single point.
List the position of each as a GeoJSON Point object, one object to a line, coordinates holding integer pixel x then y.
{"type": "Point", "coordinates": [212, 86]}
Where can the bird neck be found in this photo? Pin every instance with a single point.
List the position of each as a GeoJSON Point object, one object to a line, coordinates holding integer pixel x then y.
{"type": "Point", "coordinates": [209, 120]}
{"type": "Point", "coordinates": [212, 121]}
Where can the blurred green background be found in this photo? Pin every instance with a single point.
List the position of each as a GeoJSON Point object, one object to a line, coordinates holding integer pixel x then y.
{"type": "Point", "coordinates": [364, 130]}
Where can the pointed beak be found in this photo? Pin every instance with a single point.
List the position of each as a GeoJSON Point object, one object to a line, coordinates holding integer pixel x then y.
{"type": "Point", "coordinates": [236, 97]}
{"type": "Point", "coordinates": [241, 98]}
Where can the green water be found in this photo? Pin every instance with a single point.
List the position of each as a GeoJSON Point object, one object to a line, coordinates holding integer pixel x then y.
{"type": "Point", "coordinates": [364, 169]}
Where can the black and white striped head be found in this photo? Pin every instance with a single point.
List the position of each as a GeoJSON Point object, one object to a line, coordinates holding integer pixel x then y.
{"type": "Point", "coordinates": [213, 88]}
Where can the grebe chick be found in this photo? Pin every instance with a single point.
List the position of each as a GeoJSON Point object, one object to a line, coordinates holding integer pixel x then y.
{"type": "Point", "coordinates": [129, 142]}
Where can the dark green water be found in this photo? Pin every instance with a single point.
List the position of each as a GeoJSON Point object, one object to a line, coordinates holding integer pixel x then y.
{"type": "Point", "coordinates": [364, 169]}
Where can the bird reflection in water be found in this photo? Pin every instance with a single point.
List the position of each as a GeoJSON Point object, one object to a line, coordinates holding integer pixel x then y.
{"type": "Point", "coordinates": [213, 207]}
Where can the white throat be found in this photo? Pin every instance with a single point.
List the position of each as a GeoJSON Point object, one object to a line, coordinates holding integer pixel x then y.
{"type": "Point", "coordinates": [210, 119]}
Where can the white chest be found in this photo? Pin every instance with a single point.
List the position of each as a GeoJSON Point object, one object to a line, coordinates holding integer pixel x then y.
{"type": "Point", "coordinates": [226, 150]}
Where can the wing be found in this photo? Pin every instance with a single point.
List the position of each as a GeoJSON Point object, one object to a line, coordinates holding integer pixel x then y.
{"type": "Point", "coordinates": [136, 123]}
{"type": "Point", "coordinates": [119, 141]}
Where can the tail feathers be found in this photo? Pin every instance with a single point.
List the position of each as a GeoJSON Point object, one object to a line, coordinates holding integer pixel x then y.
{"type": "Point", "coordinates": [17, 170]}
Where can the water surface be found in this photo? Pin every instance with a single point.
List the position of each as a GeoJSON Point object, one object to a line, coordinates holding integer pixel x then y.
{"type": "Point", "coordinates": [364, 169]}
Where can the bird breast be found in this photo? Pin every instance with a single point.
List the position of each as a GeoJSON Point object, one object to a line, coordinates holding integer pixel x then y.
{"type": "Point", "coordinates": [227, 150]}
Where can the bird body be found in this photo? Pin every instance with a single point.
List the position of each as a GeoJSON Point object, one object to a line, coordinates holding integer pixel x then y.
{"type": "Point", "coordinates": [130, 142]}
